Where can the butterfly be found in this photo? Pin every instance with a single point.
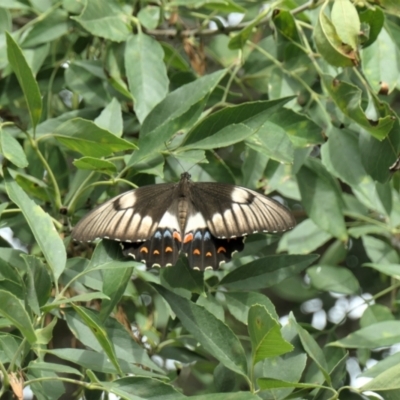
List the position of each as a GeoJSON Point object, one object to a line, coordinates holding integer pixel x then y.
{"type": "Point", "coordinates": [206, 220]}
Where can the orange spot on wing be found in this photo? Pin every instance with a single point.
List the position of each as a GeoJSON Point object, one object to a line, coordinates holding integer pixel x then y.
{"type": "Point", "coordinates": [196, 252]}
{"type": "Point", "coordinates": [188, 238]}
{"type": "Point", "coordinates": [144, 250]}
{"type": "Point", "coordinates": [221, 250]}
{"type": "Point", "coordinates": [177, 236]}
{"type": "Point", "coordinates": [168, 249]}
{"type": "Point", "coordinates": [156, 252]}
{"type": "Point", "coordinates": [208, 254]}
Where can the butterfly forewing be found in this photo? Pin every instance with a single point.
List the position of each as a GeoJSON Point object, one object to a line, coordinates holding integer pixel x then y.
{"type": "Point", "coordinates": [130, 217]}
{"type": "Point", "coordinates": [205, 220]}
{"type": "Point", "coordinates": [232, 211]}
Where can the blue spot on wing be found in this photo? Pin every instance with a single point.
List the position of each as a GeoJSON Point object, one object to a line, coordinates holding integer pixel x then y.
{"type": "Point", "coordinates": [168, 233]}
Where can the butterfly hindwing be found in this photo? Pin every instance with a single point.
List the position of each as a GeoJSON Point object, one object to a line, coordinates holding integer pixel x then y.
{"type": "Point", "coordinates": [205, 251]}
{"type": "Point", "coordinates": [160, 251]}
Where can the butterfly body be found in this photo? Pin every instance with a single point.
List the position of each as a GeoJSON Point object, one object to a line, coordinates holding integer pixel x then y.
{"type": "Point", "coordinates": [207, 221]}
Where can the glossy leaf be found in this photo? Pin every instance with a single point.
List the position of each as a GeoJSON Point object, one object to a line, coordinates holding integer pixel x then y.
{"type": "Point", "coordinates": [322, 198]}
{"type": "Point", "coordinates": [42, 228]}
{"type": "Point", "coordinates": [333, 279]}
{"type": "Point", "coordinates": [90, 140]}
{"type": "Point", "coordinates": [172, 112]}
{"type": "Point", "coordinates": [110, 118]}
{"type": "Point", "coordinates": [265, 335]}
{"type": "Point", "coordinates": [381, 71]}
{"type": "Point", "coordinates": [13, 309]}
{"type": "Point", "coordinates": [346, 21]}
{"type": "Point", "coordinates": [384, 333]}
{"type": "Point", "coordinates": [341, 156]}
{"type": "Point", "coordinates": [106, 19]}
{"type": "Point", "coordinates": [95, 164]}
{"type": "Point", "coordinates": [12, 150]}
{"type": "Point", "coordinates": [223, 344]}
{"type": "Point", "coordinates": [348, 98]}
{"type": "Point", "coordinates": [314, 351]}
{"type": "Point", "coordinates": [330, 45]}
{"type": "Point", "coordinates": [239, 304]}
{"type": "Point", "coordinates": [304, 238]}
{"type": "Point", "coordinates": [26, 79]}
{"type": "Point", "coordinates": [267, 271]}
{"type": "Point", "coordinates": [146, 72]}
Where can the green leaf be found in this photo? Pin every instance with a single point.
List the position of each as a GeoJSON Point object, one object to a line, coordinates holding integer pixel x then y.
{"type": "Point", "coordinates": [14, 310]}
{"type": "Point", "coordinates": [86, 78]}
{"type": "Point", "coordinates": [267, 271]}
{"type": "Point", "coordinates": [348, 98]}
{"type": "Point", "coordinates": [330, 45]}
{"type": "Point", "coordinates": [376, 313]}
{"type": "Point", "coordinates": [252, 115]}
{"type": "Point", "coordinates": [45, 335]}
{"type": "Point", "coordinates": [239, 39]}
{"type": "Point", "coordinates": [12, 150]}
{"type": "Point", "coordinates": [172, 114]}
{"type": "Point", "coordinates": [304, 238]}
{"type": "Point", "coordinates": [96, 361]}
{"type": "Point", "coordinates": [381, 334]}
{"type": "Point", "coordinates": [222, 344]}
{"type": "Point", "coordinates": [53, 26]}
{"type": "Point", "coordinates": [379, 251]}
{"type": "Point", "coordinates": [42, 228]}
{"type": "Point", "coordinates": [334, 279]}
{"type": "Point", "coordinates": [105, 18]}
{"type": "Point", "coordinates": [387, 380]}
{"type": "Point", "coordinates": [85, 297]}
{"type": "Point", "coordinates": [268, 383]}
{"type": "Point", "coordinates": [265, 335]}
{"type": "Point", "coordinates": [226, 396]}
{"type": "Point", "coordinates": [321, 197]}
{"type": "Point", "coordinates": [387, 269]}
{"type": "Point", "coordinates": [391, 6]}
{"type": "Point", "coordinates": [346, 21]}
{"type": "Point", "coordinates": [341, 156]}
{"type": "Point", "coordinates": [91, 320]}
{"type": "Point", "coordinates": [182, 279]}
{"type": "Point", "coordinates": [137, 388]}
{"type": "Point", "coordinates": [48, 366]}
{"type": "Point", "coordinates": [374, 18]}
{"type": "Point", "coordinates": [110, 118]}
{"type": "Point", "coordinates": [38, 283]}
{"type": "Point", "coordinates": [146, 73]}
{"type": "Point", "coordinates": [288, 368]}
{"type": "Point", "coordinates": [115, 282]}
{"type": "Point", "coordinates": [149, 16]}
{"type": "Point", "coordinates": [225, 137]}
{"type": "Point", "coordinates": [26, 80]}
{"type": "Point", "coordinates": [314, 351]}
{"type": "Point", "coordinates": [378, 156]}
{"type": "Point", "coordinates": [239, 304]}
{"type": "Point", "coordinates": [88, 139]}
{"type": "Point", "coordinates": [381, 71]}
{"type": "Point", "coordinates": [382, 366]}
{"type": "Point", "coordinates": [95, 164]}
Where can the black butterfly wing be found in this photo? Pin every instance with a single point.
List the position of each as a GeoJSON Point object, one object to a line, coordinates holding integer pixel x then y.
{"type": "Point", "coordinates": [206, 251]}
{"type": "Point", "coordinates": [231, 211]}
{"type": "Point", "coordinates": [130, 217]}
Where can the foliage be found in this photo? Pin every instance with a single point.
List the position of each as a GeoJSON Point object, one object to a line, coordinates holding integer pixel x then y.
{"type": "Point", "coordinates": [298, 100]}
